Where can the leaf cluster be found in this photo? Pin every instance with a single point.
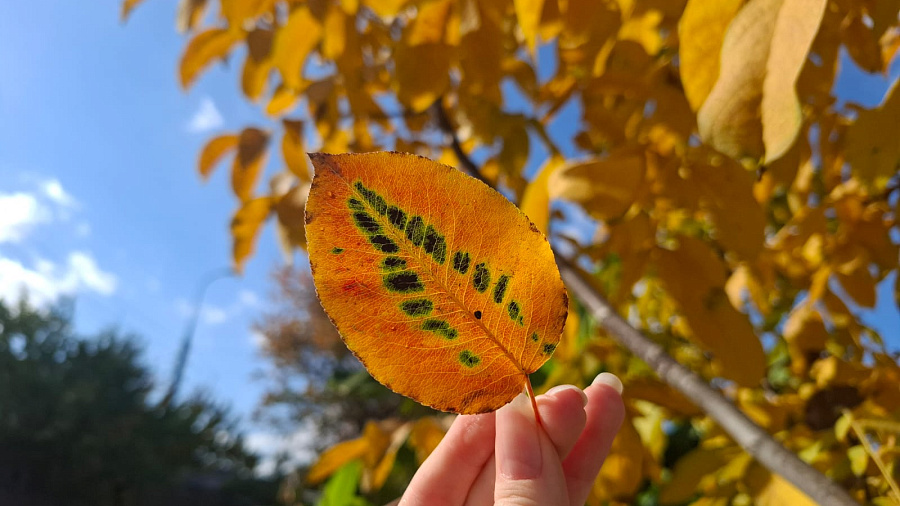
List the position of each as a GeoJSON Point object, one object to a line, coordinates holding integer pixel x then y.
{"type": "Point", "coordinates": [745, 214]}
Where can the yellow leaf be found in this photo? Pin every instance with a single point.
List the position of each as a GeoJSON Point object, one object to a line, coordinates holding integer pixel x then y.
{"type": "Point", "coordinates": [805, 334]}
{"type": "Point", "coordinates": [248, 163]}
{"type": "Point", "coordinates": [701, 31]}
{"type": "Point", "coordinates": [214, 150]}
{"type": "Point", "coordinates": [662, 395]}
{"type": "Point", "coordinates": [254, 78]}
{"type": "Point", "coordinates": [370, 447]}
{"type": "Point", "coordinates": [605, 188]}
{"type": "Point", "coordinates": [387, 9]}
{"type": "Point", "coordinates": [528, 14]}
{"type": "Point", "coordinates": [190, 12]}
{"type": "Point", "coordinates": [861, 41]}
{"type": "Point", "coordinates": [873, 142]}
{"type": "Point", "coordinates": [290, 209]}
{"type": "Point", "coordinates": [796, 27]}
{"type": "Point", "coordinates": [334, 36]}
{"type": "Point", "coordinates": [536, 200]}
{"type": "Point", "coordinates": [381, 471]}
{"type": "Point", "coordinates": [773, 490]}
{"type": "Point", "coordinates": [753, 108]}
{"type": "Point", "coordinates": [239, 12]}
{"type": "Point", "coordinates": [422, 73]}
{"type": "Point", "coordinates": [695, 278]}
{"type": "Point", "coordinates": [692, 468]}
{"type": "Point", "coordinates": [860, 285]}
{"type": "Point", "coordinates": [727, 195]}
{"type": "Point", "coordinates": [292, 149]}
{"type": "Point", "coordinates": [426, 434]}
{"type": "Point", "coordinates": [127, 7]}
{"type": "Point", "coordinates": [203, 49]}
{"type": "Point", "coordinates": [292, 45]}
{"type": "Point", "coordinates": [282, 101]}
{"type": "Point", "coordinates": [245, 228]}
{"type": "Point", "coordinates": [448, 300]}
{"type": "Point", "coordinates": [621, 474]}
{"type": "Point", "coordinates": [429, 24]}
{"type": "Point", "coordinates": [643, 28]}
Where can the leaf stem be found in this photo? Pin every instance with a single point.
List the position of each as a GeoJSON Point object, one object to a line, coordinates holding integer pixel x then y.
{"type": "Point", "coordinates": [537, 414]}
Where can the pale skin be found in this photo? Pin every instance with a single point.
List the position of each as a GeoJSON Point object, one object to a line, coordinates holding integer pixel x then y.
{"type": "Point", "coordinates": [505, 459]}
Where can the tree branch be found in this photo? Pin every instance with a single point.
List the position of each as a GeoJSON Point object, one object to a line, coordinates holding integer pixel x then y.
{"type": "Point", "coordinates": [750, 436]}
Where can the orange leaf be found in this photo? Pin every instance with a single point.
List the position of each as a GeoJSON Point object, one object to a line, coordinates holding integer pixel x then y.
{"type": "Point", "coordinates": [245, 227]}
{"type": "Point", "coordinates": [214, 150]}
{"type": "Point", "coordinates": [128, 6]}
{"type": "Point", "coordinates": [203, 49]}
{"type": "Point", "coordinates": [249, 162]}
{"type": "Point", "coordinates": [443, 289]}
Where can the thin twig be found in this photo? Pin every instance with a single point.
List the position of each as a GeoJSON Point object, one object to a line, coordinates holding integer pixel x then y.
{"type": "Point", "coordinates": [864, 440]}
{"type": "Point", "coordinates": [750, 436]}
{"type": "Point", "coordinates": [443, 121]}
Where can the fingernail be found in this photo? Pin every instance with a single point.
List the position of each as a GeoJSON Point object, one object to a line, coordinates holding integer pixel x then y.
{"type": "Point", "coordinates": [518, 444]}
{"type": "Point", "coordinates": [608, 379]}
{"type": "Point", "coordinates": [561, 388]}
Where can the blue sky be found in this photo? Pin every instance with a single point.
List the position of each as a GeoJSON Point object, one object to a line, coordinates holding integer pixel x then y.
{"type": "Point", "coordinates": [99, 196]}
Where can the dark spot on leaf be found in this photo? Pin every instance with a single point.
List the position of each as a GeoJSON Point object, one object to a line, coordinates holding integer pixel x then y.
{"type": "Point", "coordinates": [337, 251]}
{"type": "Point", "coordinates": [440, 327]}
{"type": "Point", "coordinates": [403, 282]}
{"type": "Point", "coordinates": [469, 359]}
{"type": "Point", "coordinates": [435, 245]}
{"type": "Point", "coordinates": [374, 199]}
{"type": "Point", "coordinates": [513, 309]}
{"type": "Point", "coordinates": [549, 348]}
{"type": "Point", "coordinates": [461, 262]}
{"type": "Point", "coordinates": [500, 288]}
{"type": "Point", "coordinates": [393, 264]}
{"type": "Point", "coordinates": [477, 315]}
{"type": "Point", "coordinates": [366, 223]}
{"type": "Point", "coordinates": [415, 230]}
{"type": "Point", "coordinates": [417, 307]}
{"type": "Point", "coordinates": [356, 204]}
{"type": "Point", "coordinates": [384, 243]}
{"type": "Point", "coordinates": [397, 217]}
{"type": "Point", "coordinates": [481, 277]}
{"type": "Point", "coordinates": [534, 337]}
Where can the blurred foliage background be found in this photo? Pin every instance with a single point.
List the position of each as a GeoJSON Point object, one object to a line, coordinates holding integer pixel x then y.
{"type": "Point", "coordinates": [694, 156]}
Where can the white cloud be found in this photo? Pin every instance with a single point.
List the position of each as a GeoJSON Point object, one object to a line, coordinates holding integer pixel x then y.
{"type": "Point", "coordinates": [210, 315]}
{"type": "Point", "coordinates": [258, 339]}
{"type": "Point", "coordinates": [19, 213]}
{"type": "Point", "coordinates": [46, 282]}
{"type": "Point", "coordinates": [206, 118]}
{"type": "Point", "coordinates": [53, 190]}
{"type": "Point", "coordinates": [248, 298]}
{"type": "Point", "coordinates": [298, 446]}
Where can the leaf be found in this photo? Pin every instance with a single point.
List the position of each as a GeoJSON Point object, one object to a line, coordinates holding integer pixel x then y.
{"type": "Point", "coordinates": [422, 73]}
{"type": "Point", "coordinates": [426, 434]}
{"type": "Point", "coordinates": [290, 210]}
{"type": "Point", "coordinates": [127, 7]}
{"type": "Point", "coordinates": [214, 150]}
{"type": "Point", "coordinates": [249, 161]}
{"type": "Point", "coordinates": [190, 12]}
{"type": "Point", "coordinates": [292, 149]}
{"type": "Point", "coordinates": [432, 278]}
{"type": "Point", "coordinates": [368, 448]}
{"type": "Point", "coordinates": [701, 31]}
{"type": "Point", "coordinates": [245, 228]}
{"type": "Point", "coordinates": [203, 49]}
{"type": "Point", "coordinates": [695, 277]}
{"type": "Point", "coordinates": [621, 474]}
{"type": "Point", "coordinates": [528, 14]}
{"type": "Point", "coordinates": [292, 45]}
{"type": "Point", "coordinates": [429, 25]}
{"type": "Point", "coordinates": [605, 188]}
{"type": "Point", "coordinates": [753, 108]}
{"type": "Point", "coordinates": [690, 470]}
{"type": "Point", "coordinates": [773, 490]}
{"type": "Point", "coordinates": [873, 142]}
{"type": "Point", "coordinates": [341, 488]}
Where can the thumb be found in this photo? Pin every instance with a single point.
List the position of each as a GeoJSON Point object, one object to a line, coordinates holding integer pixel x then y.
{"type": "Point", "coordinates": [529, 472]}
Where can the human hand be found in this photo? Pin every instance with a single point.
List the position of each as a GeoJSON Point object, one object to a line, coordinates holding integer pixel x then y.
{"type": "Point", "coordinates": [503, 458]}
